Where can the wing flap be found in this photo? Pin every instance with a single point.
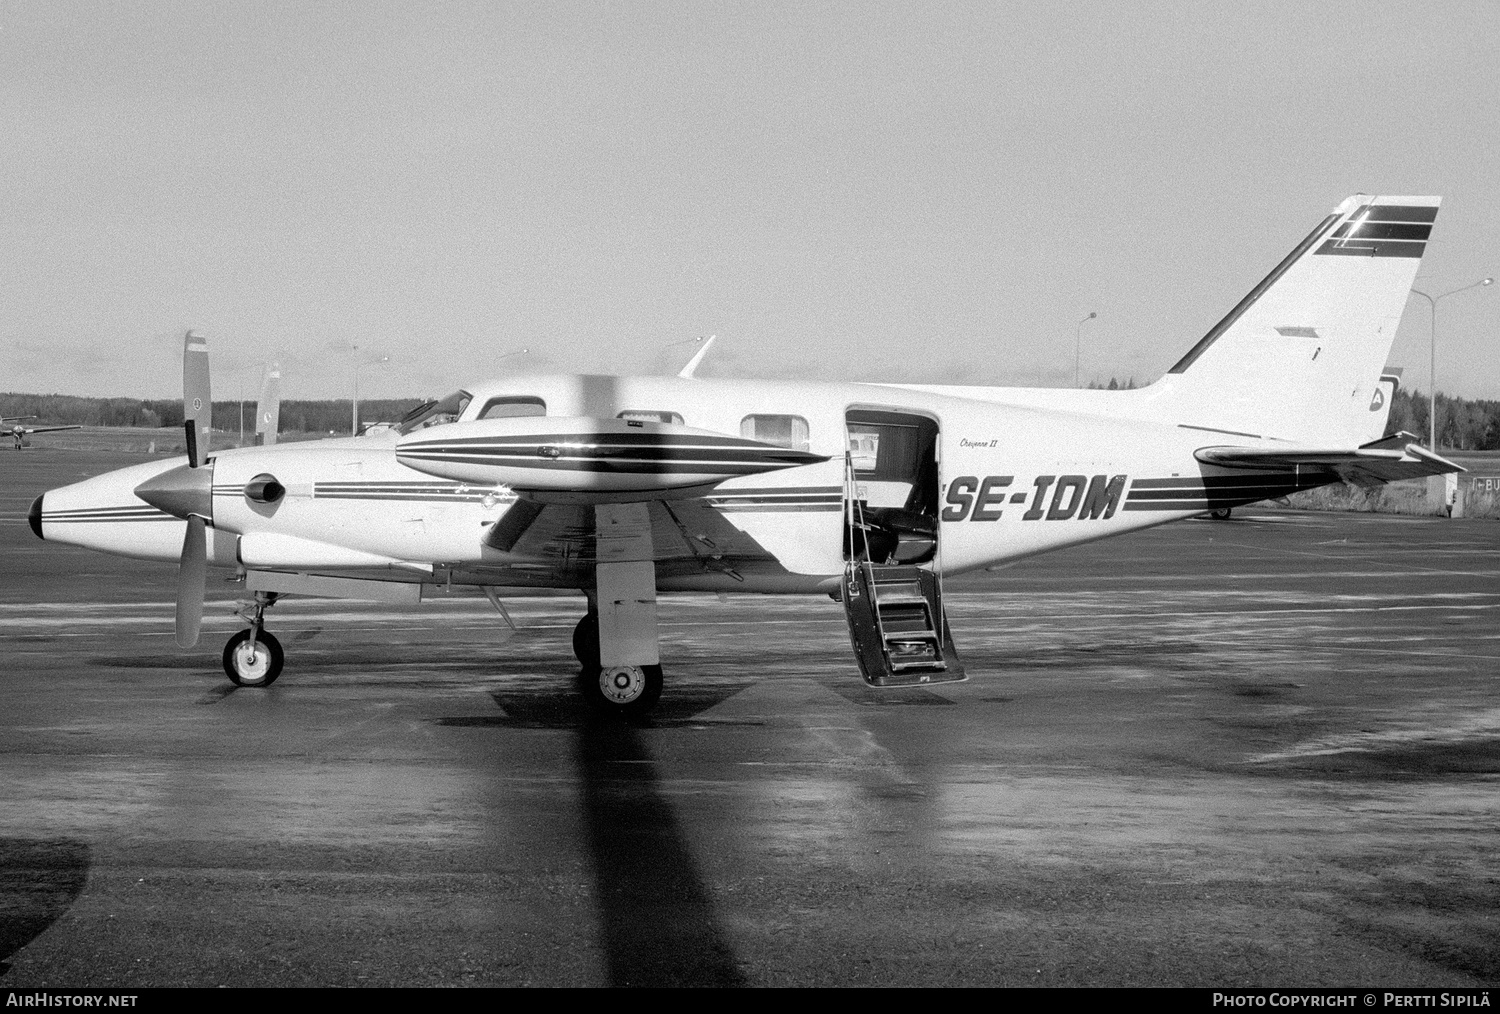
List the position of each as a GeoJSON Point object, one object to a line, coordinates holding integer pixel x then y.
{"type": "Point", "coordinates": [690, 533]}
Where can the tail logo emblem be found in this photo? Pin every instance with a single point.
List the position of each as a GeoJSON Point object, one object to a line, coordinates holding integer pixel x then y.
{"type": "Point", "coordinates": [1377, 402]}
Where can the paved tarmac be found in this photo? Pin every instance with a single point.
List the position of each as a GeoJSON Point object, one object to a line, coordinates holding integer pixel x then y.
{"type": "Point", "coordinates": [1256, 752]}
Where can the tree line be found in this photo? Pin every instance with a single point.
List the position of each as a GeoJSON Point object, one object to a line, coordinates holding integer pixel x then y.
{"type": "Point", "coordinates": [1463, 424]}
{"type": "Point", "coordinates": [296, 416]}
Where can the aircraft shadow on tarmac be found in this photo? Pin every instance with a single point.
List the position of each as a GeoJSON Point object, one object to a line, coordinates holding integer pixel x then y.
{"type": "Point", "coordinates": [182, 661]}
{"type": "Point", "coordinates": [657, 918]}
{"type": "Point", "coordinates": [40, 878]}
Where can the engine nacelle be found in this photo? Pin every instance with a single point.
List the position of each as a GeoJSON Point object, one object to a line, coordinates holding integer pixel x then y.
{"type": "Point", "coordinates": [586, 455]}
{"type": "Point", "coordinates": [264, 489]}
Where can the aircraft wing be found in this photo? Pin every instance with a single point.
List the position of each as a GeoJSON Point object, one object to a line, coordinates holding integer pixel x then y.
{"type": "Point", "coordinates": [49, 429]}
{"type": "Point", "coordinates": [687, 535]}
{"type": "Point", "coordinates": [1389, 459]}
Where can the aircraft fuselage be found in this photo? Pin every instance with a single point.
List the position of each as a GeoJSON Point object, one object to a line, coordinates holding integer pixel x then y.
{"type": "Point", "coordinates": [1013, 480]}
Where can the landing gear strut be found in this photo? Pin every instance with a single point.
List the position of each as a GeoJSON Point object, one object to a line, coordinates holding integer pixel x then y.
{"type": "Point", "coordinates": [616, 642]}
{"type": "Point", "coordinates": [253, 658]}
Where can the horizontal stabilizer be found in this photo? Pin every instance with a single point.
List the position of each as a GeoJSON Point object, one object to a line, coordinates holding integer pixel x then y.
{"type": "Point", "coordinates": [1389, 459]}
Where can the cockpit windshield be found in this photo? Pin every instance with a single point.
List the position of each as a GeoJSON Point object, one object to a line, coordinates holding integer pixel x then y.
{"type": "Point", "coordinates": [435, 413]}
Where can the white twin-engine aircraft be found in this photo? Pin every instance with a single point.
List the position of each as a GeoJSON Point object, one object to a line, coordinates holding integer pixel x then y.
{"type": "Point", "coordinates": [624, 487]}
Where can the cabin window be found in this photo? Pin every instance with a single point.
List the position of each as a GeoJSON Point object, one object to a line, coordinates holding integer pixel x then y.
{"type": "Point", "coordinates": [781, 430]}
{"type": "Point", "coordinates": [512, 408]}
{"type": "Point", "coordinates": [864, 447]}
{"type": "Point", "coordinates": [659, 417]}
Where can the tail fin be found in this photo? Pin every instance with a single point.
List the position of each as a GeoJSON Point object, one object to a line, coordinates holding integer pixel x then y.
{"type": "Point", "coordinates": [1301, 357]}
{"type": "Point", "coordinates": [268, 408]}
{"type": "Point", "coordinates": [1377, 419]}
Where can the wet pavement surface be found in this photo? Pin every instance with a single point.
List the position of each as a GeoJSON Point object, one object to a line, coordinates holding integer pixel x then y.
{"type": "Point", "coordinates": [1256, 752]}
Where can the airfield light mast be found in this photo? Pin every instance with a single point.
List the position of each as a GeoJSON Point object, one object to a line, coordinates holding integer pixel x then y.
{"type": "Point", "coordinates": [354, 405]}
{"type": "Point", "coordinates": [1078, 345]}
{"type": "Point", "coordinates": [1432, 364]}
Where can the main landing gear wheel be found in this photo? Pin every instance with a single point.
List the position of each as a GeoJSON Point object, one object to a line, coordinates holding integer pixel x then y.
{"type": "Point", "coordinates": [628, 690]}
{"type": "Point", "coordinates": [253, 664]}
{"type": "Point", "coordinates": [586, 641]}
{"type": "Point", "coordinates": [1219, 513]}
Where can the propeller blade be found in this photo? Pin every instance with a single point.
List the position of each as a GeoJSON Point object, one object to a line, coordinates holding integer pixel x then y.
{"type": "Point", "coordinates": [192, 575]}
{"type": "Point", "coordinates": [268, 409]}
{"type": "Point", "coordinates": [197, 401]}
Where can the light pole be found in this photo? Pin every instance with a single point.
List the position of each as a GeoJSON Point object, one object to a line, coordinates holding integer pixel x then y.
{"type": "Point", "coordinates": [1078, 345]}
{"type": "Point", "coordinates": [1432, 364]}
{"type": "Point", "coordinates": [354, 407]}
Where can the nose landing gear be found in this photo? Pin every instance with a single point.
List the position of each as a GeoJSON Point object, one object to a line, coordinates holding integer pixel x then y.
{"type": "Point", "coordinates": [253, 661]}
{"type": "Point", "coordinates": [253, 657]}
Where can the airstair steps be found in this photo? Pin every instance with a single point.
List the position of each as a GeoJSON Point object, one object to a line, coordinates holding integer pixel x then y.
{"type": "Point", "coordinates": [897, 625]}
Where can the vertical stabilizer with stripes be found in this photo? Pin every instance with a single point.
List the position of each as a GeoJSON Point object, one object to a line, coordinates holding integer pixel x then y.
{"type": "Point", "coordinates": [1300, 358]}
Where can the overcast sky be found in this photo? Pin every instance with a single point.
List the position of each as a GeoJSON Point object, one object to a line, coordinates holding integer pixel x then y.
{"type": "Point", "coordinates": [931, 192]}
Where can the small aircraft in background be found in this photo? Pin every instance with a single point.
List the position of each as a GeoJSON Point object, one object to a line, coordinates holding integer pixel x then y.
{"type": "Point", "coordinates": [22, 434]}
{"type": "Point", "coordinates": [623, 487]}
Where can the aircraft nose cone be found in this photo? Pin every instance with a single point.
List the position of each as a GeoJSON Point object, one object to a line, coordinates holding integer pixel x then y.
{"type": "Point", "coordinates": [182, 491]}
{"type": "Point", "coordinates": [34, 517]}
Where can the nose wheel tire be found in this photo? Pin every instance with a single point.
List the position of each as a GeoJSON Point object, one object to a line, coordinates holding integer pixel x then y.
{"type": "Point", "coordinates": [253, 664]}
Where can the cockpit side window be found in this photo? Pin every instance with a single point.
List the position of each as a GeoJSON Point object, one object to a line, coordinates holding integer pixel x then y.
{"type": "Point", "coordinates": [513, 407]}
{"type": "Point", "coordinates": [435, 413]}
{"type": "Point", "coordinates": [657, 417]}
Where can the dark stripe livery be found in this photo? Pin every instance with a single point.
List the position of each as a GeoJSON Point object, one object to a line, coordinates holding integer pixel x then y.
{"type": "Point", "coordinates": [1203, 493]}
{"type": "Point", "coordinates": [789, 499]}
{"type": "Point", "coordinates": [1382, 230]}
{"type": "Point", "coordinates": [140, 512]}
{"type": "Point", "coordinates": [638, 453]}
{"type": "Point", "coordinates": [436, 492]}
